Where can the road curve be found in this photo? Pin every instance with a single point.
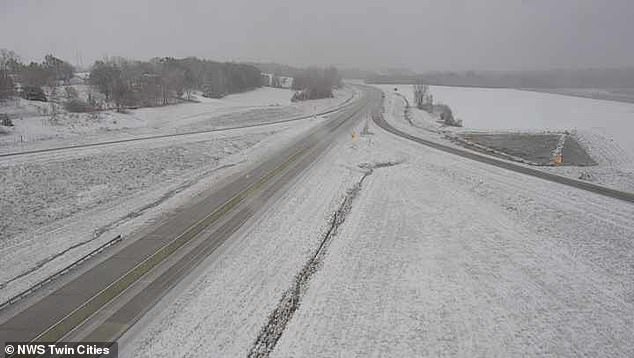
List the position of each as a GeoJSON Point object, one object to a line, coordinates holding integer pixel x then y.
{"type": "Point", "coordinates": [579, 184]}
{"type": "Point", "coordinates": [117, 291]}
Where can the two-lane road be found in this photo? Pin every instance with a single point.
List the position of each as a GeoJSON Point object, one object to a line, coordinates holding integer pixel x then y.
{"type": "Point", "coordinates": [106, 299]}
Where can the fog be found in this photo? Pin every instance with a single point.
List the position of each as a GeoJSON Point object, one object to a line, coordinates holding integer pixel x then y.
{"type": "Point", "coordinates": [418, 34]}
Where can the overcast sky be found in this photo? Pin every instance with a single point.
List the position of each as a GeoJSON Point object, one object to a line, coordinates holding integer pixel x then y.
{"type": "Point", "coordinates": [419, 34]}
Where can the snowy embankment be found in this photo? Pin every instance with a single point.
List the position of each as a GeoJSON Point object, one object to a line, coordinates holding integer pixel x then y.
{"type": "Point", "coordinates": [601, 127]}
{"type": "Point", "coordinates": [35, 130]}
{"type": "Point", "coordinates": [437, 255]}
{"type": "Point", "coordinates": [58, 206]}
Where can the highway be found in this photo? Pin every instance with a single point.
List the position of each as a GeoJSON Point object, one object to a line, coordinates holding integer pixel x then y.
{"type": "Point", "coordinates": [105, 300]}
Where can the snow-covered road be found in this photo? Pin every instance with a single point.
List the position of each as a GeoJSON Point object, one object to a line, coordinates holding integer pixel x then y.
{"type": "Point", "coordinates": [58, 206]}
{"type": "Point", "coordinates": [439, 255]}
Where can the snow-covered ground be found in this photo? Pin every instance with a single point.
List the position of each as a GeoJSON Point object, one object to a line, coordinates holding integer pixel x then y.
{"type": "Point", "coordinates": [35, 129]}
{"type": "Point", "coordinates": [610, 94]}
{"type": "Point", "coordinates": [58, 206]}
{"type": "Point", "coordinates": [604, 137]}
{"type": "Point", "coordinates": [254, 269]}
{"type": "Point", "coordinates": [438, 256]}
{"type": "Point", "coordinates": [510, 109]}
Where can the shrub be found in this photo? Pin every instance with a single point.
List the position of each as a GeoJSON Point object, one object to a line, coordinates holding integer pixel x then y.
{"type": "Point", "coordinates": [299, 96]}
{"type": "Point", "coordinates": [78, 106]}
{"type": "Point", "coordinates": [33, 93]}
{"type": "Point", "coordinates": [70, 92]}
{"type": "Point", "coordinates": [5, 120]}
{"type": "Point", "coordinates": [446, 115]}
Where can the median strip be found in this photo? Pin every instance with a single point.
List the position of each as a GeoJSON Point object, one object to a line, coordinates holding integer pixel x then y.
{"type": "Point", "coordinates": [289, 303]}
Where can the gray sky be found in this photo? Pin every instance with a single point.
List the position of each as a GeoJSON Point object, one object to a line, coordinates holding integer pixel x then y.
{"type": "Point", "coordinates": [419, 34]}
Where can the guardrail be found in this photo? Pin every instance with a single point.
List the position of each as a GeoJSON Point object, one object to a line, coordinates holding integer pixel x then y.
{"type": "Point", "coordinates": [60, 273]}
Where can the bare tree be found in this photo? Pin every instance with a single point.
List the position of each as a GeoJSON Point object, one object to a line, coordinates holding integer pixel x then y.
{"type": "Point", "coordinates": [189, 83]}
{"type": "Point", "coordinates": [314, 83]}
{"type": "Point", "coordinates": [35, 75]}
{"type": "Point", "coordinates": [61, 70]}
{"type": "Point", "coordinates": [7, 59]}
{"type": "Point", "coordinates": [103, 77]}
{"type": "Point", "coordinates": [6, 85]}
{"type": "Point", "coordinates": [165, 80]}
{"type": "Point", "coordinates": [121, 94]}
{"type": "Point", "coordinates": [422, 97]}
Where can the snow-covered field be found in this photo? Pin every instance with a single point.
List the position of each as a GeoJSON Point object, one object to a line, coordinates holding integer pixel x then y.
{"type": "Point", "coordinates": [58, 206]}
{"type": "Point", "coordinates": [602, 127]}
{"type": "Point", "coordinates": [439, 256]}
{"type": "Point", "coordinates": [610, 94]}
{"type": "Point", "coordinates": [510, 109]}
{"type": "Point", "coordinates": [35, 129]}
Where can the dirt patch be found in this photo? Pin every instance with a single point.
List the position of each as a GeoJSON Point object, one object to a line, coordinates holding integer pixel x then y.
{"type": "Point", "coordinates": [544, 149]}
{"type": "Point", "coordinates": [574, 153]}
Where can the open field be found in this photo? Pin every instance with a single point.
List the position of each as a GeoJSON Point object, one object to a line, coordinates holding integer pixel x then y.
{"type": "Point", "coordinates": [509, 109]}
{"type": "Point", "coordinates": [610, 94]}
{"type": "Point", "coordinates": [34, 128]}
{"type": "Point", "coordinates": [601, 128]}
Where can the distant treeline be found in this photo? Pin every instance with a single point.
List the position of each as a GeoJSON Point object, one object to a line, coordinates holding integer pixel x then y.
{"type": "Point", "coordinates": [583, 78]}
{"type": "Point", "coordinates": [129, 83]}
{"type": "Point", "coordinates": [49, 72]}
{"type": "Point", "coordinates": [277, 69]}
{"type": "Point", "coordinates": [126, 83]}
{"type": "Point", "coordinates": [163, 80]}
{"type": "Point", "coordinates": [314, 83]}
{"type": "Point", "coordinates": [309, 83]}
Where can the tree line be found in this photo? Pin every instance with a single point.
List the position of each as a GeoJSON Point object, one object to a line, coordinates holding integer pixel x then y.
{"type": "Point", "coordinates": [164, 80]}
{"type": "Point", "coordinates": [125, 83]}
{"type": "Point", "coordinates": [309, 83]}
{"type": "Point", "coordinates": [48, 73]}
{"type": "Point", "coordinates": [128, 83]}
{"type": "Point", "coordinates": [314, 83]}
